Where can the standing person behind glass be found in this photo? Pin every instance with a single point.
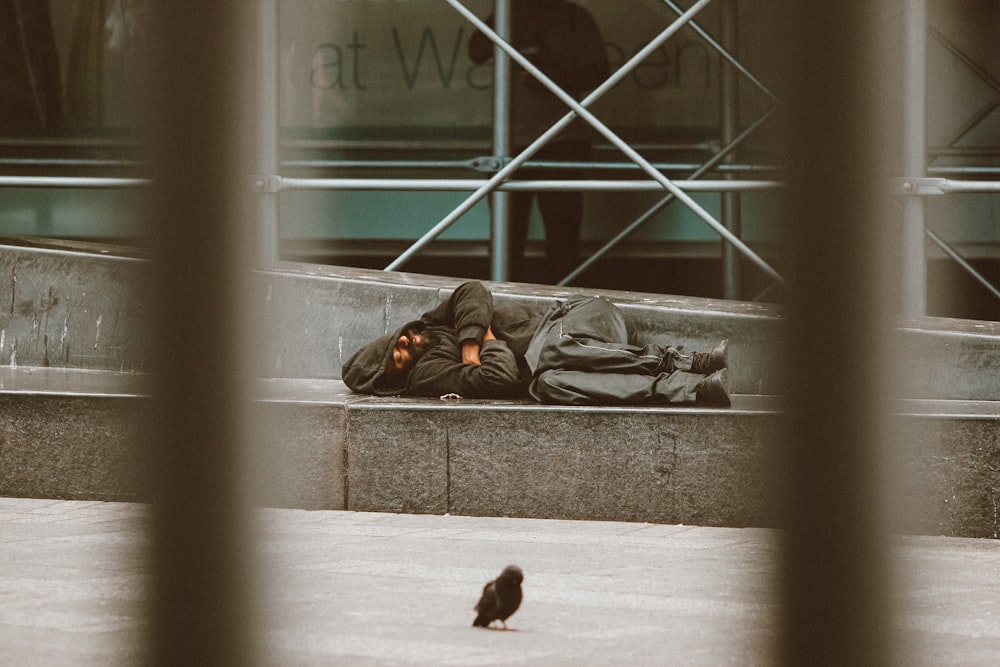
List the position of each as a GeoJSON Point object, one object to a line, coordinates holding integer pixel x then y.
{"type": "Point", "coordinates": [563, 40]}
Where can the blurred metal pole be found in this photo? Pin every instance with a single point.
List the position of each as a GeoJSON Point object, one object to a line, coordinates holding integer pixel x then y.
{"type": "Point", "coordinates": [835, 577]}
{"type": "Point", "coordinates": [915, 158]}
{"type": "Point", "coordinates": [499, 221]}
{"type": "Point", "coordinates": [203, 240]}
{"type": "Point", "coordinates": [730, 100]}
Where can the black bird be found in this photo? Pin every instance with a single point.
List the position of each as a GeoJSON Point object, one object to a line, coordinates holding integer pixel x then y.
{"type": "Point", "coordinates": [501, 598]}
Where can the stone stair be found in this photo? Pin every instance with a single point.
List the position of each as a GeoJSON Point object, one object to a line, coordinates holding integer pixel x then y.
{"type": "Point", "coordinates": [72, 396]}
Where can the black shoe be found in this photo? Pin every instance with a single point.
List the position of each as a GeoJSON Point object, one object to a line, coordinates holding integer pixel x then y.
{"type": "Point", "coordinates": [715, 359]}
{"type": "Point", "coordinates": [714, 389]}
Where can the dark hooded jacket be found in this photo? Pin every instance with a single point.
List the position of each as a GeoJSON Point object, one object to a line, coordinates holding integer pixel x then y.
{"type": "Point", "coordinates": [465, 315]}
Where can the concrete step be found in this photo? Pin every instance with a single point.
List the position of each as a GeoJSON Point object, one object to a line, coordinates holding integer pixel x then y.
{"type": "Point", "coordinates": [80, 435]}
{"type": "Point", "coordinates": [72, 395]}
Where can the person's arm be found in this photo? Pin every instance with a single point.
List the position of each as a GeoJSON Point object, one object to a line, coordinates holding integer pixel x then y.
{"type": "Point", "coordinates": [469, 310]}
{"type": "Point", "coordinates": [470, 352]}
{"type": "Point", "coordinates": [496, 376]}
{"type": "Point", "coordinates": [470, 348]}
{"type": "Point", "coordinates": [441, 371]}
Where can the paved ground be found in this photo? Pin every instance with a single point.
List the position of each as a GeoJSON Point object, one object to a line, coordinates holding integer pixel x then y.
{"type": "Point", "coordinates": [379, 589]}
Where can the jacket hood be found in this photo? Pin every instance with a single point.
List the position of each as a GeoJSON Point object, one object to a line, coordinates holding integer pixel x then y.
{"type": "Point", "coordinates": [364, 371]}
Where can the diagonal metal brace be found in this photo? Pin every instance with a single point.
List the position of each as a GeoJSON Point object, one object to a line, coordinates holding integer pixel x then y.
{"type": "Point", "coordinates": [580, 109]}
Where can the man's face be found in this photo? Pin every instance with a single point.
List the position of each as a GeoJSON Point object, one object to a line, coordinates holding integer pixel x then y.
{"type": "Point", "coordinates": [405, 352]}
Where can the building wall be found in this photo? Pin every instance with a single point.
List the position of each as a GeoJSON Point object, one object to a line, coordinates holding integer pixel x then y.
{"type": "Point", "coordinates": [389, 79]}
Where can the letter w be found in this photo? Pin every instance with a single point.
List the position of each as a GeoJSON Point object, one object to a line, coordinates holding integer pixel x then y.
{"type": "Point", "coordinates": [427, 37]}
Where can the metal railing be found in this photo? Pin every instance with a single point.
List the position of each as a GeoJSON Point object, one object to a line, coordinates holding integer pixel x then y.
{"type": "Point", "coordinates": [835, 580]}
{"type": "Point", "coordinates": [834, 576]}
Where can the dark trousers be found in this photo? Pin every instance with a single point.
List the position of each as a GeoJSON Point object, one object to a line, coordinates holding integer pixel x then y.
{"type": "Point", "coordinates": [562, 213]}
{"type": "Point", "coordinates": [583, 354]}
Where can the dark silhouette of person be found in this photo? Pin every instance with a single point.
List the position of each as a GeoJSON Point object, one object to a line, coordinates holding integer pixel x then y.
{"type": "Point", "coordinates": [563, 40]}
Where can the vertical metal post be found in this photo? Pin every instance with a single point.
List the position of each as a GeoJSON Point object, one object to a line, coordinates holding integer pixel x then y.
{"type": "Point", "coordinates": [500, 251]}
{"type": "Point", "coordinates": [268, 146]}
{"type": "Point", "coordinates": [203, 238]}
{"type": "Point", "coordinates": [835, 576]}
{"type": "Point", "coordinates": [729, 84]}
{"type": "Point", "coordinates": [915, 158]}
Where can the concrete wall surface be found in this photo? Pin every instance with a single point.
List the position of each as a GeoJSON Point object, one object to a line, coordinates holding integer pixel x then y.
{"type": "Point", "coordinates": [81, 307]}
{"type": "Point", "coordinates": [317, 446]}
{"type": "Point", "coordinates": [72, 398]}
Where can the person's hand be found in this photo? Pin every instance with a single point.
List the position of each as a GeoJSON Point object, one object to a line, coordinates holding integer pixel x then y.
{"type": "Point", "coordinates": [470, 352]}
{"type": "Point", "coordinates": [489, 334]}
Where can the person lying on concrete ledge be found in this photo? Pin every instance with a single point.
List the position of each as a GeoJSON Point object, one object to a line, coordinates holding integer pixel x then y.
{"type": "Point", "coordinates": [579, 351]}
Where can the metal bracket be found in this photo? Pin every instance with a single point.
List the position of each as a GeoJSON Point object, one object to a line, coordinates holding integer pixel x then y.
{"type": "Point", "coordinates": [489, 163]}
{"type": "Point", "coordinates": [920, 186]}
{"type": "Point", "coordinates": [267, 184]}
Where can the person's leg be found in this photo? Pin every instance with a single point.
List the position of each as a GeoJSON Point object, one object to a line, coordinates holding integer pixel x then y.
{"type": "Point", "coordinates": [595, 336]}
{"type": "Point", "coordinates": [517, 233]}
{"type": "Point", "coordinates": [562, 212]}
{"type": "Point", "coordinates": [591, 334]}
{"type": "Point", "coordinates": [567, 387]}
{"type": "Point", "coordinates": [580, 355]}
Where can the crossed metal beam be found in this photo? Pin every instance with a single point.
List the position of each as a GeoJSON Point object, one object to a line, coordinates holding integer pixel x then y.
{"type": "Point", "coordinates": [722, 51]}
{"type": "Point", "coordinates": [711, 164]}
{"type": "Point", "coordinates": [676, 190]}
{"type": "Point", "coordinates": [579, 109]}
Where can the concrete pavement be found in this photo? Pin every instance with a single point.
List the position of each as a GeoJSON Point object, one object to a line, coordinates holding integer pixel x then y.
{"type": "Point", "coordinates": [391, 589]}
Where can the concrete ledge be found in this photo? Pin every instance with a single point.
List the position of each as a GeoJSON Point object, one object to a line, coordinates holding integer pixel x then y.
{"type": "Point", "coordinates": [72, 308]}
{"type": "Point", "coordinates": [695, 466]}
{"type": "Point", "coordinates": [73, 447]}
{"type": "Point", "coordinates": [79, 435]}
{"type": "Point", "coordinates": [71, 405]}
{"type": "Point", "coordinates": [301, 433]}
{"type": "Point", "coordinates": [946, 457]}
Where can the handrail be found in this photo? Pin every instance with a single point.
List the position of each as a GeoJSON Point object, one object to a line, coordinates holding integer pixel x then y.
{"type": "Point", "coordinates": [471, 184]}
{"type": "Point", "coordinates": [273, 183]}
{"type": "Point", "coordinates": [74, 182]}
{"type": "Point", "coordinates": [475, 164]}
{"type": "Point", "coordinates": [418, 145]}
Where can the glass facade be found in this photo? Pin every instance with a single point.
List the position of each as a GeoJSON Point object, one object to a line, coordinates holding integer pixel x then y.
{"type": "Point", "coordinates": [386, 89]}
